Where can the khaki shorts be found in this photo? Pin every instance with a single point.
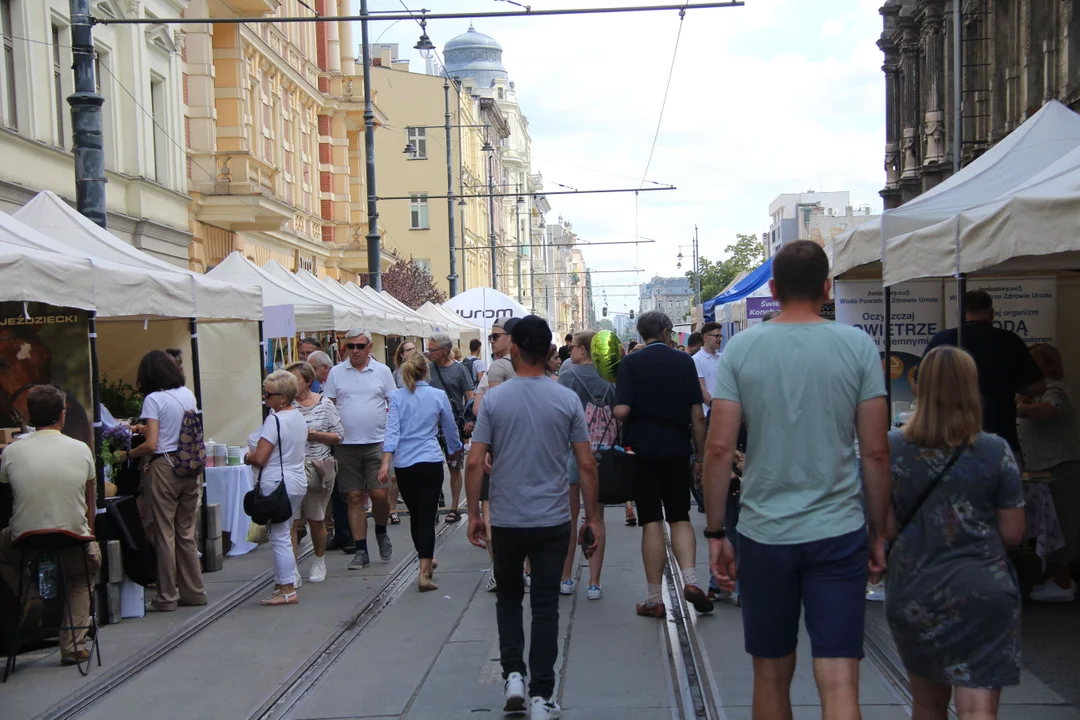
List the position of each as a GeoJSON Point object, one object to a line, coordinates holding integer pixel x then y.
{"type": "Point", "coordinates": [315, 500]}
{"type": "Point", "coordinates": [358, 468]}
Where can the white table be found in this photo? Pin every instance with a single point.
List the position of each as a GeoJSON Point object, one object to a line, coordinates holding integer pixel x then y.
{"type": "Point", "coordinates": [226, 486]}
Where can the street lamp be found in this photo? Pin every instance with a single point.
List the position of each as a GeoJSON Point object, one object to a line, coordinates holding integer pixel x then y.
{"type": "Point", "coordinates": [490, 150]}
{"type": "Point", "coordinates": [424, 45]}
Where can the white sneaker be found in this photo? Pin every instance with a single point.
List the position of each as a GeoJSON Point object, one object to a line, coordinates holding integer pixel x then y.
{"type": "Point", "coordinates": [541, 709]}
{"type": "Point", "coordinates": [567, 587]}
{"type": "Point", "coordinates": [595, 592]}
{"type": "Point", "coordinates": [318, 570]}
{"type": "Point", "coordinates": [1051, 592]}
{"type": "Point", "coordinates": [514, 692]}
{"type": "Point", "coordinates": [492, 586]}
{"type": "Point", "coordinates": [875, 592]}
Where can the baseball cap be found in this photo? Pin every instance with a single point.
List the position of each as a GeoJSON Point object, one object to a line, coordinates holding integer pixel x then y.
{"type": "Point", "coordinates": [506, 324]}
{"type": "Point", "coordinates": [532, 334]}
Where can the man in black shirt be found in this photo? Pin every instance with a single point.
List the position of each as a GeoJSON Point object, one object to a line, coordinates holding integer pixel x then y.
{"type": "Point", "coordinates": [1006, 368]}
{"type": "Point", "coordinates": [658, 396]}
{"type": "Point", "coordinates": [564, 351]}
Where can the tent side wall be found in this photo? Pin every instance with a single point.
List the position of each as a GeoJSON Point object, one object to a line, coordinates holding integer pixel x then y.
{"type": "Point", "coordinates": [122, 344]}
{"type": "Point", "coordinates": [231, 379]}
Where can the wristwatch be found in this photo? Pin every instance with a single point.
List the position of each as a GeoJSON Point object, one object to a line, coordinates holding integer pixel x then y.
{"type": "Point", "coordinates": [715, 534]}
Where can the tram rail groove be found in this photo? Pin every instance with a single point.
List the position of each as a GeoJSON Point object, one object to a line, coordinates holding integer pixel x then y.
{"type": "Point", "coordinates": [102, 685]}
{"type": "Point", "coordinates": [307, 675]}
{"type": "Point", "coordinates": [697, 689]}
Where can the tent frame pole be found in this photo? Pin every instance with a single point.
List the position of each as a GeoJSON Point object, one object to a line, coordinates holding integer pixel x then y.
{"type": "Point", "coordinates": [887, 355]}
{"type": "Point", "coordinates": [193, 326]}
{"type": "Point", "coordinates": [95, 395]}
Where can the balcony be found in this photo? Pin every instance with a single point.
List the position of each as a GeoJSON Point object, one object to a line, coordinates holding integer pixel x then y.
{"type": "Point", "coordinates": [242, 8]}
{"type": "Point", "coordinates": [243, 194]}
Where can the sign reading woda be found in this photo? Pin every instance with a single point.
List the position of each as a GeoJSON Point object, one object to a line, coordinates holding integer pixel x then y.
{"type": "Point", "coordinates": [1025, 306]}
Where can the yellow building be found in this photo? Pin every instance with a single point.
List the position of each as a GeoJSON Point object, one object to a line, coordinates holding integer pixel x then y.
{"type": "Point", "coordinates": [274, 133]}
{"type": "Point", "coordinates": [140, 76]}
{"type": "Point", "coordinates": [415, 218]}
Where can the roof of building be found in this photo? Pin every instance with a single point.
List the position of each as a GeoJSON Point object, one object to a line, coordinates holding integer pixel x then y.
{"type": "Point", "coordinates": [475, 55]}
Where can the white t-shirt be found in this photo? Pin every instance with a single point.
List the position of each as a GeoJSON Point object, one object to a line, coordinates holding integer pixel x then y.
{"type": "Point", "coordinates": [362, 398]}
{"type": "Point", "coordinates": [294, 431]}
{"type": "Point", "coordinates": [168, 408]}
{"type": "Point", "coordinates": [708, 367]}
{"type": "Point", "coordinates": [478, 363]}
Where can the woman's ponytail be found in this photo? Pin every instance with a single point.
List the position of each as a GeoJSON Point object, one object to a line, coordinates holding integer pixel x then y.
{"type": "Point", "coordinates": [413, 371]}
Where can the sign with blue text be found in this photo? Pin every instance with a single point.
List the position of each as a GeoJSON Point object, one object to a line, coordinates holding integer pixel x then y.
{"type": "Point", "coordinates": [1025, 306]}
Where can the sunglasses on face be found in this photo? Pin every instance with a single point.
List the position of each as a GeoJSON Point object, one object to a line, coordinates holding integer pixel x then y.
{"type": "Point", "coordinates": [356, 346]}
{"type": "Point", "coordinates": [494, 337]}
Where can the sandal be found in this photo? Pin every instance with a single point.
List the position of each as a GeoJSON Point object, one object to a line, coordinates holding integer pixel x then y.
{"type": "Point", "coordinates": [631, 519]}
{"type": "Point", "coordinates": [280, 598]}
{"type": "Point", "coordinates": [452, 516]}
{"type": "Point", "coordinates": [394, 519]}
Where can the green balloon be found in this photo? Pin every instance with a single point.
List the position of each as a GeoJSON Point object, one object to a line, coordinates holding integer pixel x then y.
{"type": "Point", "coordinates": [606, 353]}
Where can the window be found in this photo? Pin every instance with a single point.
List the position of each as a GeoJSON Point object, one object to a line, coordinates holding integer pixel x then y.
{"type": "Point", "coordinates": [8, 77]}
{"type": "Point", "coordinates": [418, 215]}
{"type": "Point", "coordinates": [158, 117]}
{"type": "Point", "coordinates": [502, 95]}
{"type": "Point", "coordinates": [423, 264]}
{"type": "Point", "coordinates": [58, 86]}
{"type": "Point", "coordinates": [418, 140]}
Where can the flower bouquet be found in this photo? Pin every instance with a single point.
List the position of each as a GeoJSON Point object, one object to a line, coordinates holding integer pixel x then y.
{"type": "Point", "coordinates": [113, 440]}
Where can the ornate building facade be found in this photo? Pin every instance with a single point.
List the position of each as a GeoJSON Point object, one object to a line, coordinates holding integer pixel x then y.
{"type": "Point", "coordinates": [1016, 56]}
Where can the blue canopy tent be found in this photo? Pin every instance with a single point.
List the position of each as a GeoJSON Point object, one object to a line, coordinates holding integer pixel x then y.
{"type": "Point", "coordinates": [745, 287]}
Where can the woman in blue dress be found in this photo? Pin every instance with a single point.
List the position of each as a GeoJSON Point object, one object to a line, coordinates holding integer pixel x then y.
{"type": "Point", "coordinates": [953, 604]}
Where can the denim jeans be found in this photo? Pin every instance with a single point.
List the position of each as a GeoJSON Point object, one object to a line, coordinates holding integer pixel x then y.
{"type": "Point", "coordinates": [546, 550]}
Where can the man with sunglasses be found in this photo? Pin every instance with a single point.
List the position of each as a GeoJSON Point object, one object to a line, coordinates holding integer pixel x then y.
{"type": "Point", "coordinates": [361, 387]}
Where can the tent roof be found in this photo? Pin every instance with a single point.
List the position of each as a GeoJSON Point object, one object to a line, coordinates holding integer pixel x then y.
{"type": "Point", "coordinates": [407, 326]}
{"type": "Point", "coordinates": [39, 276]}
{"type": "Point", "coordinates": [457, 326]}
{"type": "Point", "coordinates": [754, 280]}
{"type": "Point", "coordinates": [1049, 134]}
{"type": "Point", "coordinates": [53, 217]}
{"type": "Point", "coordinates": [346, 317]}
{"type": "Point", "coordinates": [398, 322]}
{"type": "Point", "coordinates": [119, 290]}
{"type": "Point", "coordinates": [364, 315]}
{"type": "Point", "coordinates": [311, 315]}
{"type": "Point", "coordinates": [426, 326]}
{"type": "Point", "coordinates": [1039, 218]}
{"type": "Point", "coordinates": [482, 299]}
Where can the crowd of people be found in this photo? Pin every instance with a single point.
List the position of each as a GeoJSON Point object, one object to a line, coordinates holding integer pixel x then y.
{"type": "Point", "coordinates": [781, 437]}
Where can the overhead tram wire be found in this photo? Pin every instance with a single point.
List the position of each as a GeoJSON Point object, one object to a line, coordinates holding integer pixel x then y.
{"type": "Point", "coordinates": [534, 194]}
{"type": "Point", "coordinates": [394, 15]}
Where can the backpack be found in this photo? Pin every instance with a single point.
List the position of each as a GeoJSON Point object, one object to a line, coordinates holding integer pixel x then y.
{"type": "Point", "coordinates": [470, 365]}
{"type": "Point", "coordinates": [599, 418]}
{"type": "Point", "coordinates": [190, 449]}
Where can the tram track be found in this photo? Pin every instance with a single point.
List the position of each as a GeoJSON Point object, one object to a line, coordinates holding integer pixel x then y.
{"type": "Point", "coordinates": [106, 684]}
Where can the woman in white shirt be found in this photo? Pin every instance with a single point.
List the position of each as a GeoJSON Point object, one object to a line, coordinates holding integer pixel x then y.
{"type": "Point", "coordinates": [280, 456]}
{"type": "Point", "coordinates": [170, 503]}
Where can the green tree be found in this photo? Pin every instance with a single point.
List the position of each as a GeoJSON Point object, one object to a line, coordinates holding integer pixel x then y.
{"type": "Point", "coordinates": [745, 254]}
{"type": "Point", "coordinates": [605, 324]}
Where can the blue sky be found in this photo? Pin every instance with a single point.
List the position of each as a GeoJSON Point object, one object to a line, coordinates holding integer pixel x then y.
{"type": "Point", "coordinates": [773, 97]}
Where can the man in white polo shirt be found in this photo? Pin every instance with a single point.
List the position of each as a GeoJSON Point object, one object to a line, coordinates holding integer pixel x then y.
{"type": "Point", "coordinates": [361, 387]}
{"type": "Point", "coordinates": [707, 361]}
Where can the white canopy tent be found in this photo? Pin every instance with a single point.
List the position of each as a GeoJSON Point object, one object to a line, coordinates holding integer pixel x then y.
{"type": "Point", "coordinates": [368, 316]}
{"type": "Point", "coordinates": [53, 217]}
{"type": "Point", "coordinates": [345, 316]}
{"type": "Point", "coordinates": [28, 275]}
{"type": "Point", "coordinates": [311, 315]}
{"type": "Point", "coordinates": [426, 327]}
{"type": "Point", "coordinates": [467, 331]}
{"type": "Point", "coordinates": [484, 305]}
{"type": "Point", "coordinates": [394, 324]}
{"type": "Point", "coordinates": [1049, 134]}
{"type": "Point", "coordinates": [1034, 226]}
{"type": "Point", "coordinates": [412, 326]}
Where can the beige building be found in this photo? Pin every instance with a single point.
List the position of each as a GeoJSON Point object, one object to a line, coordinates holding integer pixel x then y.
{"type": "Point", "coordinates": [275, 135]}
{"type": "Point", "coordinates": [140, 75]}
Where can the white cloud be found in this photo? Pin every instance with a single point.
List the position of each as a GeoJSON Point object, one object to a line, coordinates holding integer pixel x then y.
{"type": "Point", "coordinates": [766, 99]}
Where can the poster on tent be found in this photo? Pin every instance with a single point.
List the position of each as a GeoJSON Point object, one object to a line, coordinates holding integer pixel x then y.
{"type": "Point", "coordinates": [916, 318]}
{"type": "Point", "coordinates": [1025, 306]}
{"type": "Point", "coordinates": [45, 344]}
{"type": "Point", "coordinates": [758, 307]}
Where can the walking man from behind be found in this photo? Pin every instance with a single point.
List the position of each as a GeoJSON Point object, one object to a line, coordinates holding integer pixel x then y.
{"type": "Point", "coordinates": [529, 425]}
{"type": "Point", "coordinates": [658, 397]}
{"type": "Point", "coordinates": [361, 387]}
{"type": "Point", "coordinates": [805, 386]}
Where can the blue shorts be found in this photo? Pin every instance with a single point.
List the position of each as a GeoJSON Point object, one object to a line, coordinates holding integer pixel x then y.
{"type": "Point", "coordinates": [827, 577]}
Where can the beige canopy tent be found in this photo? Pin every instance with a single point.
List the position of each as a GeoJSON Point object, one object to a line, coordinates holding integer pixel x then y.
{"type": "Point", "coordinates": [311, 315]}
{"type": "Point", "coordinates": [227, 313]}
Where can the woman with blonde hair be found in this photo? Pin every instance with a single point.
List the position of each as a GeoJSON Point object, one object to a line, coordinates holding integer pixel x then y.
{"type": "Point", "coordinates": [412, 443]}
{"type": "Point", "coordinates": [1048, 437]}
{"type": "Point", "coordinates": [953, 604]}
{"type": "Point", "coordinates": [320, 466]}
{"type": "Point", "coordinates": [279, 455]}
{"type": "Point", "coordinates": [404, 351]}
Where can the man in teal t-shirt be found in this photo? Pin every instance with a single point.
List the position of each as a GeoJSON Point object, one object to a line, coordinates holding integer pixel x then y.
{"type": "Point", "coordinates": [806, 387]}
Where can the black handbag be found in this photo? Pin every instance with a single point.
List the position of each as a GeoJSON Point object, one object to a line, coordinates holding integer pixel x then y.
{"type": "Point", "coordinates": [615, 471]}
{"type": "Point", "coordinates": [275, 507]}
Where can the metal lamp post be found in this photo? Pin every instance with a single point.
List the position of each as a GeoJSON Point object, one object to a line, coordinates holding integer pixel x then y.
{"type": "Point", "coordinates": [374, 240]}
{"type": "Point", "coordinates": [490, 150]}
{"type": "Point", "coordinates": [520, 203]}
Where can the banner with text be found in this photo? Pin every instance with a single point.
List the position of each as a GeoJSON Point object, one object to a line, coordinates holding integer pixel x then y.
{"type": "Point", "coordinates": [916, 318]}
{"type": "Point", "coordinates": [758, 307]}
{"type": "Point", "coordinates": [1026, 306]}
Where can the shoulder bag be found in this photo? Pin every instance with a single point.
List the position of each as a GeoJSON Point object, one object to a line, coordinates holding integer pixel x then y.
{"type": "Point", "coordinates": [274, 507]}
{"type": "Point", "coordinates": [925, 494]}
{"type": "Point", "coordinates": [455, 404]}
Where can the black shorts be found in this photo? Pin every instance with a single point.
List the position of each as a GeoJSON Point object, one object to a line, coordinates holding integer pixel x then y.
{"type": "Point", "coordinates": [662, 488]}
{"type": "Point", "coordinates": [485, 488]}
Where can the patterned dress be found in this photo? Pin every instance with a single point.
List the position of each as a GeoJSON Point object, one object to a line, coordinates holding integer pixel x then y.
{"type": "Point", "coordinates": [953, 603]}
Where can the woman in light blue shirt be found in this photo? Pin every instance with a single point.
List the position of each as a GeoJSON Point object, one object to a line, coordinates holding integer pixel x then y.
{"type": "Point", "coordinates": [412, 441]}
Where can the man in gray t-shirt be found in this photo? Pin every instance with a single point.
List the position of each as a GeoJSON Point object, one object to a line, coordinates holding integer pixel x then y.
{"type": "Point", "coordinates": [529, 424]}
{"type": "Point", "coordinates": [454, 379]}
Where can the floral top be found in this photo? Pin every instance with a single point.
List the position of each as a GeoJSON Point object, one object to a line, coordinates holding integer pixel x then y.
{"type": "Point", "coordinates": [321, 417]}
